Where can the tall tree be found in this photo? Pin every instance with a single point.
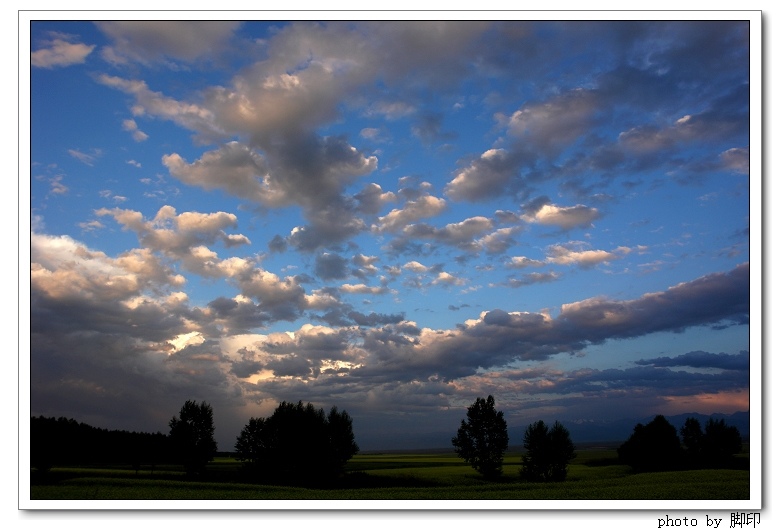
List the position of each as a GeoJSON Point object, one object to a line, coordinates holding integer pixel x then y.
{"type": "Point", "coordinates": [548, 452]}
{"type": "Point", "coordinates": [482, 437]}
{"type": "Point", "coordinates": [192, 436]}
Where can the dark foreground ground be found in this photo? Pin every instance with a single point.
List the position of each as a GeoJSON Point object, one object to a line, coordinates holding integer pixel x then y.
{"type": "Point", "coordinates": [400, 475]}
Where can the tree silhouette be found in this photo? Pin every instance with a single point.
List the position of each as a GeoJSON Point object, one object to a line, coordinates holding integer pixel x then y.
{"type": "Point", "coordinates": [713, 447]}
{"type": "Point", "coordinates": [692, 437]}
{"type": "Point", "coordinates": [721, 442]}
{"type": "Point", "coordinates": [652, 447]}
{"type": "Point", "coordinates": [192, 436]}
{"type": "Point", "coordinates": [482, 440]}
{"type": "Point", "coordinates": [548, 452]}
{"type": "Point", "coordinates": [297, 443]}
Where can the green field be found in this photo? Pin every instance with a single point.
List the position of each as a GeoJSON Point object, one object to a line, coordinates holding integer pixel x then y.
{"type": "Point", "coordinates": [594, 474]}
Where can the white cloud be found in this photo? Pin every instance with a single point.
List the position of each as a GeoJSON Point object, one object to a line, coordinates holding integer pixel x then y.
{"type": "Point", "coordinates": [565, 217]}
{"type": "Point", "coordinates": [416, 266]}
{"type": "Point", "coordinates": [521, 262]}
{"type": "Point", "coordinates": [414, 210]}
{"type": "Point", "coordinates": [132, 127]}
{"type": "Point", "coordinates": [59, 53]}
{"type": "Point", "coordinates": [564, 255]}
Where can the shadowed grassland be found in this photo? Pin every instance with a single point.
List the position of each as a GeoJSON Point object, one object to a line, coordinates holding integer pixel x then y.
{"type": "Point", "coordinates": [594, 474]}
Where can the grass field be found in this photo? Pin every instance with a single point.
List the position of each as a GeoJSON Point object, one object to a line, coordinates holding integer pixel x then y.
{"type": "Point", "coordinates": [594, 474]}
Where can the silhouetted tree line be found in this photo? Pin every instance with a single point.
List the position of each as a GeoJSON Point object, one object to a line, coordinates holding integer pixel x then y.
{"type": "Point", "coordinates": [301, 444]}
{"type": "Point", "coordinates": [63, 441]}
{"type": "Point", "coordinates": [482, 440]}
{"type": "Point", "coordinates": [657, 447]}
{"type": "Point", "coordinates": [297, 444]}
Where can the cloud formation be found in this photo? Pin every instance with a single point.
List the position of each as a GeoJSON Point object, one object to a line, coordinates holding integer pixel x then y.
{"type": "Point", "coordinates": [60, 52]}
{"type": "Point", "coordinates": [393, 217]}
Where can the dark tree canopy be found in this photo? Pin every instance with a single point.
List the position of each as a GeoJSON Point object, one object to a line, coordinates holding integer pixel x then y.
{"type": "Point", "coordinates": [297, 443]}
{"type": "Point", "coordinates": [714, 446]}
{"type": "Point", "coordinates": [652, 447]}
{"type": "Point", "coordinates": [192, 436]}
{"type": "Point", "coordinates": [482, 438]}
{"type": "Point", "coordinates": [548, 452]}
{"type": "Point", "coordinates": [692, 435]}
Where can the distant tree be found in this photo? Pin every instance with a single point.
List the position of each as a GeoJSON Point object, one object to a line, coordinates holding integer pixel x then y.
{"type": "Point", "coordinates": [712, 447]}
{"type": "Point", "coordinates": [692, 439]}
{"type": "Point", "coordinates": [720, 442]}
{"type": "Point", "coordinates": [482, 438]}
{"type": "Point", "coordinates": [652, 447]}
{"type": "Point", "coordinates": [192, 436]}
{"type": "Point", "coordinates": [297, 443]}
{"type": "Point", "coordinates": [548, 452]}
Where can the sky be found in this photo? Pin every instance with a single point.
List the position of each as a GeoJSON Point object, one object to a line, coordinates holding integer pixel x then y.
{"type": "Point", "coordinates": [389, 217]}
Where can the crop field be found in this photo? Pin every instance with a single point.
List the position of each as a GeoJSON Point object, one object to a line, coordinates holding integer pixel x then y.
{"type": "Point", "coordinates": [593, 474]}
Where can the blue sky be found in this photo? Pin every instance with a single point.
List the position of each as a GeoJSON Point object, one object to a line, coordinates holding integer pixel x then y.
{"type": "Point", "coordinates": [391, 217]}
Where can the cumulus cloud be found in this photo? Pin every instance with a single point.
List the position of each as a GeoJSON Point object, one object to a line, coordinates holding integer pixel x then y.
{"type": "Point", "coordinates": [499, 241]}
{"type": "Point", "coordinates": [413, 210]}
{"type": "Point", "coordinates": [415, 266]}
{"type": "Point", "coordinates": [331, 267]}
{"type": "Point", "coordinates": [60, 51]}
{"type": "Point", "coordinates": [180, 235]}
{"type": "Point", "coordinates": [362, 288]}
{"type": "Point", "coordinates": [573, 253]}
{"type": "Point", "coordinates": [737, 159]}
{"type": "Point", "coordinates": [557, 122]}
{"type": "Point", "coordinates": [233, 168]}
{"type": "Point", "coordinates": [371, 199]}
{"type": "Point", "coordinates": [564, 217]}
{"type": "Point", "coordinates": [485, 177]}
{"type": "Point", "coordinates": [521, 262]}
{"type": "Point", "coordinates": [148, 102]}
